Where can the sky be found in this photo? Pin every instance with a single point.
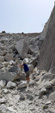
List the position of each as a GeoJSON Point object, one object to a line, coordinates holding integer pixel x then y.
{"type": "Point", "coordinates": [26, 16]}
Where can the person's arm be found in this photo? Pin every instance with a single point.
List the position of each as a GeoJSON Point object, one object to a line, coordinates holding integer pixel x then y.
{"type": "Point", "coordinates": [21, 65]}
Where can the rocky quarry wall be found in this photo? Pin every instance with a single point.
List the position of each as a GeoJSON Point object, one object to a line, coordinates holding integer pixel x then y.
{"type": "Point", "coordinates": [47, 52]}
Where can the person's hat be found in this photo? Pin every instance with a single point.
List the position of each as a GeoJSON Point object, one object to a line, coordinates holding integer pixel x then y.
{"type": "Point", "coordinates": [24, 61]}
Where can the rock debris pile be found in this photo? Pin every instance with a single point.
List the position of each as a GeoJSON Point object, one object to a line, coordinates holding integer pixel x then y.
{"type": "Point", "coordinates": [38, 51]}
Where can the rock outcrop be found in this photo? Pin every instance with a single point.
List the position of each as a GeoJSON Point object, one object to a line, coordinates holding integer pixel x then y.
{"type": "Point", "coordinates": [47, 52]}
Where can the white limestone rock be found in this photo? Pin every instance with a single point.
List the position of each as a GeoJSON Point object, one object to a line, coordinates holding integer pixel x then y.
{"type": "Point", "coordinates": [2, 83]}
{"type": "Point", "coordinates": [11, 84]}
{"type": "Point", "coordinates": [22, 84]}
{"type": "Point", "coordinates": [2, 100]}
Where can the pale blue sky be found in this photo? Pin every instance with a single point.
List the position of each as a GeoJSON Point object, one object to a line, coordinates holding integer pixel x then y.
{"type": "Point", "coordinates": [26, 16]}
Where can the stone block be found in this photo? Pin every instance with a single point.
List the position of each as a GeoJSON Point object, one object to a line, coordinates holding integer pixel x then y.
{"type": "Point", "coordinates": [8, 57]}
{"type": "Point", "coordinates": [8, 76]}
{"type": "Point", "coordinates": [22, 48]}
{"type": "Point", "coordinates": [23, 84]}
{"type": "Point", "coordinates": [11, 84]}
{"type": "Point", "coordinates": [14, 69]}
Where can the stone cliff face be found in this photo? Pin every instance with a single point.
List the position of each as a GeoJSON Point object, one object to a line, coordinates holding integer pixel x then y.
{"type": "Point", "coordinates": [47, 52]}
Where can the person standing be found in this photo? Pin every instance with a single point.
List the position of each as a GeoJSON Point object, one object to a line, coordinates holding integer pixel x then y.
{"type": "Point", "coordinates": [26, 70]}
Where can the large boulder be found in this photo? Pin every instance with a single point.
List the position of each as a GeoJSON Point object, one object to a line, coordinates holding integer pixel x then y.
{"type": "Point", "coordinates": [14, 69]}
{"type": "Point", "coordinates": [8, 57]}
{"type": "Point", "coordinates": [8, 76]}
{"type": "Point", "coordinates": [22, 48]}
